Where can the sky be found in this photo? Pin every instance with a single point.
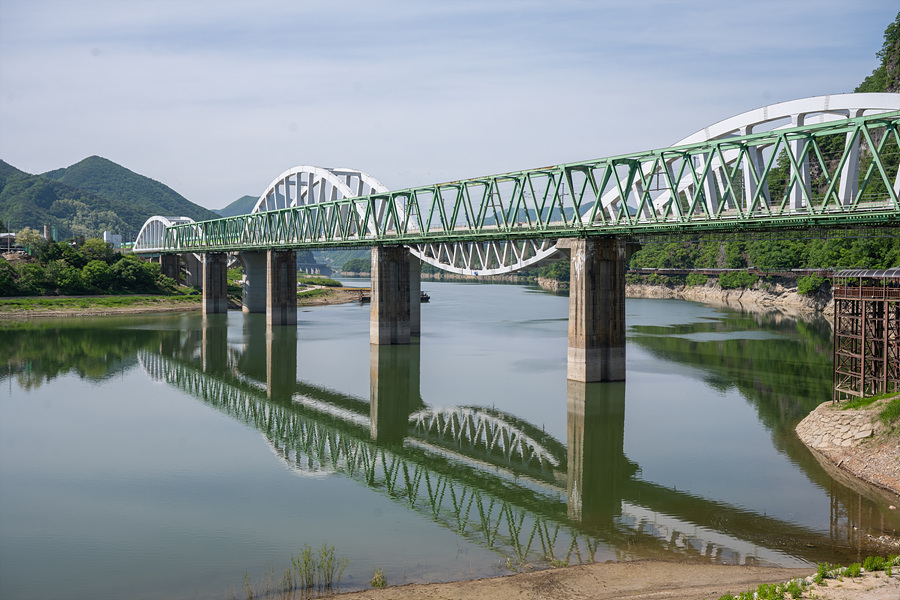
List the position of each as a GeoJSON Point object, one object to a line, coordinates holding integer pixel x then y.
{"type": "Point", "coordinates": [217, 98]}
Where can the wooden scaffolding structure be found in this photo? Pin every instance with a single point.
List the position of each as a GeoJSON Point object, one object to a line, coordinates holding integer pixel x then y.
{"type": "Point", "coordinates": [866, 332]}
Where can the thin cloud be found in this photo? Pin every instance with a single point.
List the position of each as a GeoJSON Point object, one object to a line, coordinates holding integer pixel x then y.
{"type": "Point", "coordinates": [216, 98]}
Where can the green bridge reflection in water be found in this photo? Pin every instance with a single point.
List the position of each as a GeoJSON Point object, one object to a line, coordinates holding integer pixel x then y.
{"type": "Point", "coordinates": [493, 478]}
{"type": "Point", "coordinates": [488, 477]}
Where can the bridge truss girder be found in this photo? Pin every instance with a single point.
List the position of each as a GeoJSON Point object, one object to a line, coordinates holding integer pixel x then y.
{"type": "Point", "coordinates": [636, 194]}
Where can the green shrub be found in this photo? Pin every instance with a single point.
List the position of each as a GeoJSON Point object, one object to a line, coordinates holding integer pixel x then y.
{"type": "Point", "coordinates": [378, 579]}
{"type": "Point", "coordinates": [810, 284]}
{"type": "Point", "coordinates": [873, 563]}
{"type": "Point", "coordinates": [326, 281]}
{"type": "Point", "coordinates": [97, 274]}
{"type": "Point", "coordinates": [8, 285]}
{"type": "Point", "coordinates": [694, 279]}
{"type": "Point", "coordinates": [357, 265]}
{"type": "Point", "coordinates": [854, 570]}
{"type": "Point", "coordinates": [737, 279]}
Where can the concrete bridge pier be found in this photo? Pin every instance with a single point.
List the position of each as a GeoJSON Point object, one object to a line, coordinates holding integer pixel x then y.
{"type": "Point", "coordinates": [281, 287]}
{"type": "Point", "coordinates": [253, 288]}
{"type": "Point", "coordinates": [170, 266]}
{"type": "Point", "coordinates": [395, 276]}
{"type": "Point", "coordinates": [215, 283]}
{"type": "Point", "coordinates": [596, 309]}
{"type": "Point", "coordinates": [193, 267]}
{"type": "Point", "coordinates": [597, 468]}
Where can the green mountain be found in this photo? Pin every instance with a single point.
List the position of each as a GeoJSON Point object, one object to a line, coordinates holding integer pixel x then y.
{"type": "Point", "coordinates": [33, 201]}
{"type": "Point", "coordinates": [241, 206]}
{"type": "Point", "coordinates": [88, 198]}
{"type": "Point", "coordinates": [110, 180]}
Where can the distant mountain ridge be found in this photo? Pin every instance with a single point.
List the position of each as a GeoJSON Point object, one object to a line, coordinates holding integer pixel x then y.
{"type": "Point", "coordinates": [241, 206]}
{"type": "Point", "coordinates": [107, 179]}
{"type": "Point", "coordinates": [87, 198]}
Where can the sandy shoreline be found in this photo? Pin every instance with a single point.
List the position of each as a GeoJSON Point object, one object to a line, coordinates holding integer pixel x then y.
{"type": "Point", "coordinates": [637, 580]}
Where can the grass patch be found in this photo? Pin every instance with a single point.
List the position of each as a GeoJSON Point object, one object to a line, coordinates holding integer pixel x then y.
{"type": "Point", "coordinates": [62, 303]}
{"type": "Point", "coordinates": [890, 414]}
{"type": "Point", "coordinates": [326, 281]}
{"type": "Point", "coordinates": [796, 587]}
{"type": "Point", "coordinates": [311, 573]}
{"type": "Point", "coordinates": [312, 294]}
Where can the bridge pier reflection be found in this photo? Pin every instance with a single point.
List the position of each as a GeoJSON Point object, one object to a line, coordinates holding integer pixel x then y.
{"type": "Point", "coordinates": [281, 362]}
{"type": "Point", "coordinates": [214, 343]}
{"type": "Point", "coordinates": [596, 465]}
{"type": "Point", "coordinates": [394, 391]}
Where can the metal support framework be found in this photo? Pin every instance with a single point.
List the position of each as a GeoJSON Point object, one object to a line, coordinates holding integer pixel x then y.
{"type": "Point", "coordinates": [866, 332]}
{"type": "Point", "coordinates": [730, 183]}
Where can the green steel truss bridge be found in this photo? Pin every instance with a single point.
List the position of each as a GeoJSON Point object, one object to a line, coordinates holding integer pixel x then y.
{"type": "Point", "coordinates": [485, 486]}
{"type": "Point", "coordinates": [822, 162]}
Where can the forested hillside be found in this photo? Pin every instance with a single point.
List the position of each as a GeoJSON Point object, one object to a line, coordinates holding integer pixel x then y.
{"type": "Point", "coordinates": [88, 198]}
{"type": "Point", "coordinates": [109, 180]}
{"type": "Point", "coordinates": [33, 201]}
{"type": "Point", "coordinates": [241, 206]}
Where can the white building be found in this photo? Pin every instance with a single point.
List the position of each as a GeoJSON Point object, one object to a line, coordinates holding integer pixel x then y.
{"type": "Point", "coordinates": [113, 239]}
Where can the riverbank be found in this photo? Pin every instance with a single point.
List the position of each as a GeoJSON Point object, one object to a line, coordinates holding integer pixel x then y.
{"type": "Point", "coordinates": [639, 580]}
{"type": "Point", "coordinates": [82, 306]}
{"type": "Point", "coordinates": [29, 307]}
{"type": "Point", "coordinates": [855, 442]}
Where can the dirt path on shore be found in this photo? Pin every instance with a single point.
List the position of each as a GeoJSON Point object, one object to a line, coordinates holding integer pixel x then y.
{"type": "Point", "coordinates": [638, 580]}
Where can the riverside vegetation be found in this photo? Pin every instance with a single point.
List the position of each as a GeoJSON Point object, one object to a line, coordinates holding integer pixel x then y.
{"type": "Point", "coordinates": [90, 267]}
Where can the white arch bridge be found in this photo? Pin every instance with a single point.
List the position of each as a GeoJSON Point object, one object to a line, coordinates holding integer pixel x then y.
{"type": "Point", "coordinates": [822, 162]}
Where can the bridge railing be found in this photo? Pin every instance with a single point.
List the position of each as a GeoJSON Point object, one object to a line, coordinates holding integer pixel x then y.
{"type": "Point", "coordinates": [837, 173]}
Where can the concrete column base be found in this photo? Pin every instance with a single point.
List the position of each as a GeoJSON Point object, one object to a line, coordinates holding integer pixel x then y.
{"type": "Point", "coordinates": [215, 283]}
{"type": "Point", "coordinates": [253, 292]}
{"type": "Point", "coordinates": [281, 287]}
{"type": "Point", "coordinates": [389, 322]}
{"type": "Point", "coordinates": [415, 295]}
{"type": "Point", "coordinates": [596, 309]}
{"type": "Point", "coordinates": [170, 266]}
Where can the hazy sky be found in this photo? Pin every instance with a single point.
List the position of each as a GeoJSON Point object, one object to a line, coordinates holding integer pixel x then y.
{"type": "Point", "coordinates": [216, 98]}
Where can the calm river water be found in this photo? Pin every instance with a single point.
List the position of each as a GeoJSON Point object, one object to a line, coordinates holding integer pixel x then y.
{"type": "Point", "coordinates": [167, 456]}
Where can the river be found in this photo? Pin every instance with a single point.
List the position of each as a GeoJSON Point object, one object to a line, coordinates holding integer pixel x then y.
{"type": "Point", "coordinates": [166, 456]}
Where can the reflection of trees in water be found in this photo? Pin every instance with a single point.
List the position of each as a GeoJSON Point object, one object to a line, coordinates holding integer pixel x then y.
{"type": "Point", "coordinates": [784, 377]}
{"type": "Point", "coordinates": [36, 352]}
